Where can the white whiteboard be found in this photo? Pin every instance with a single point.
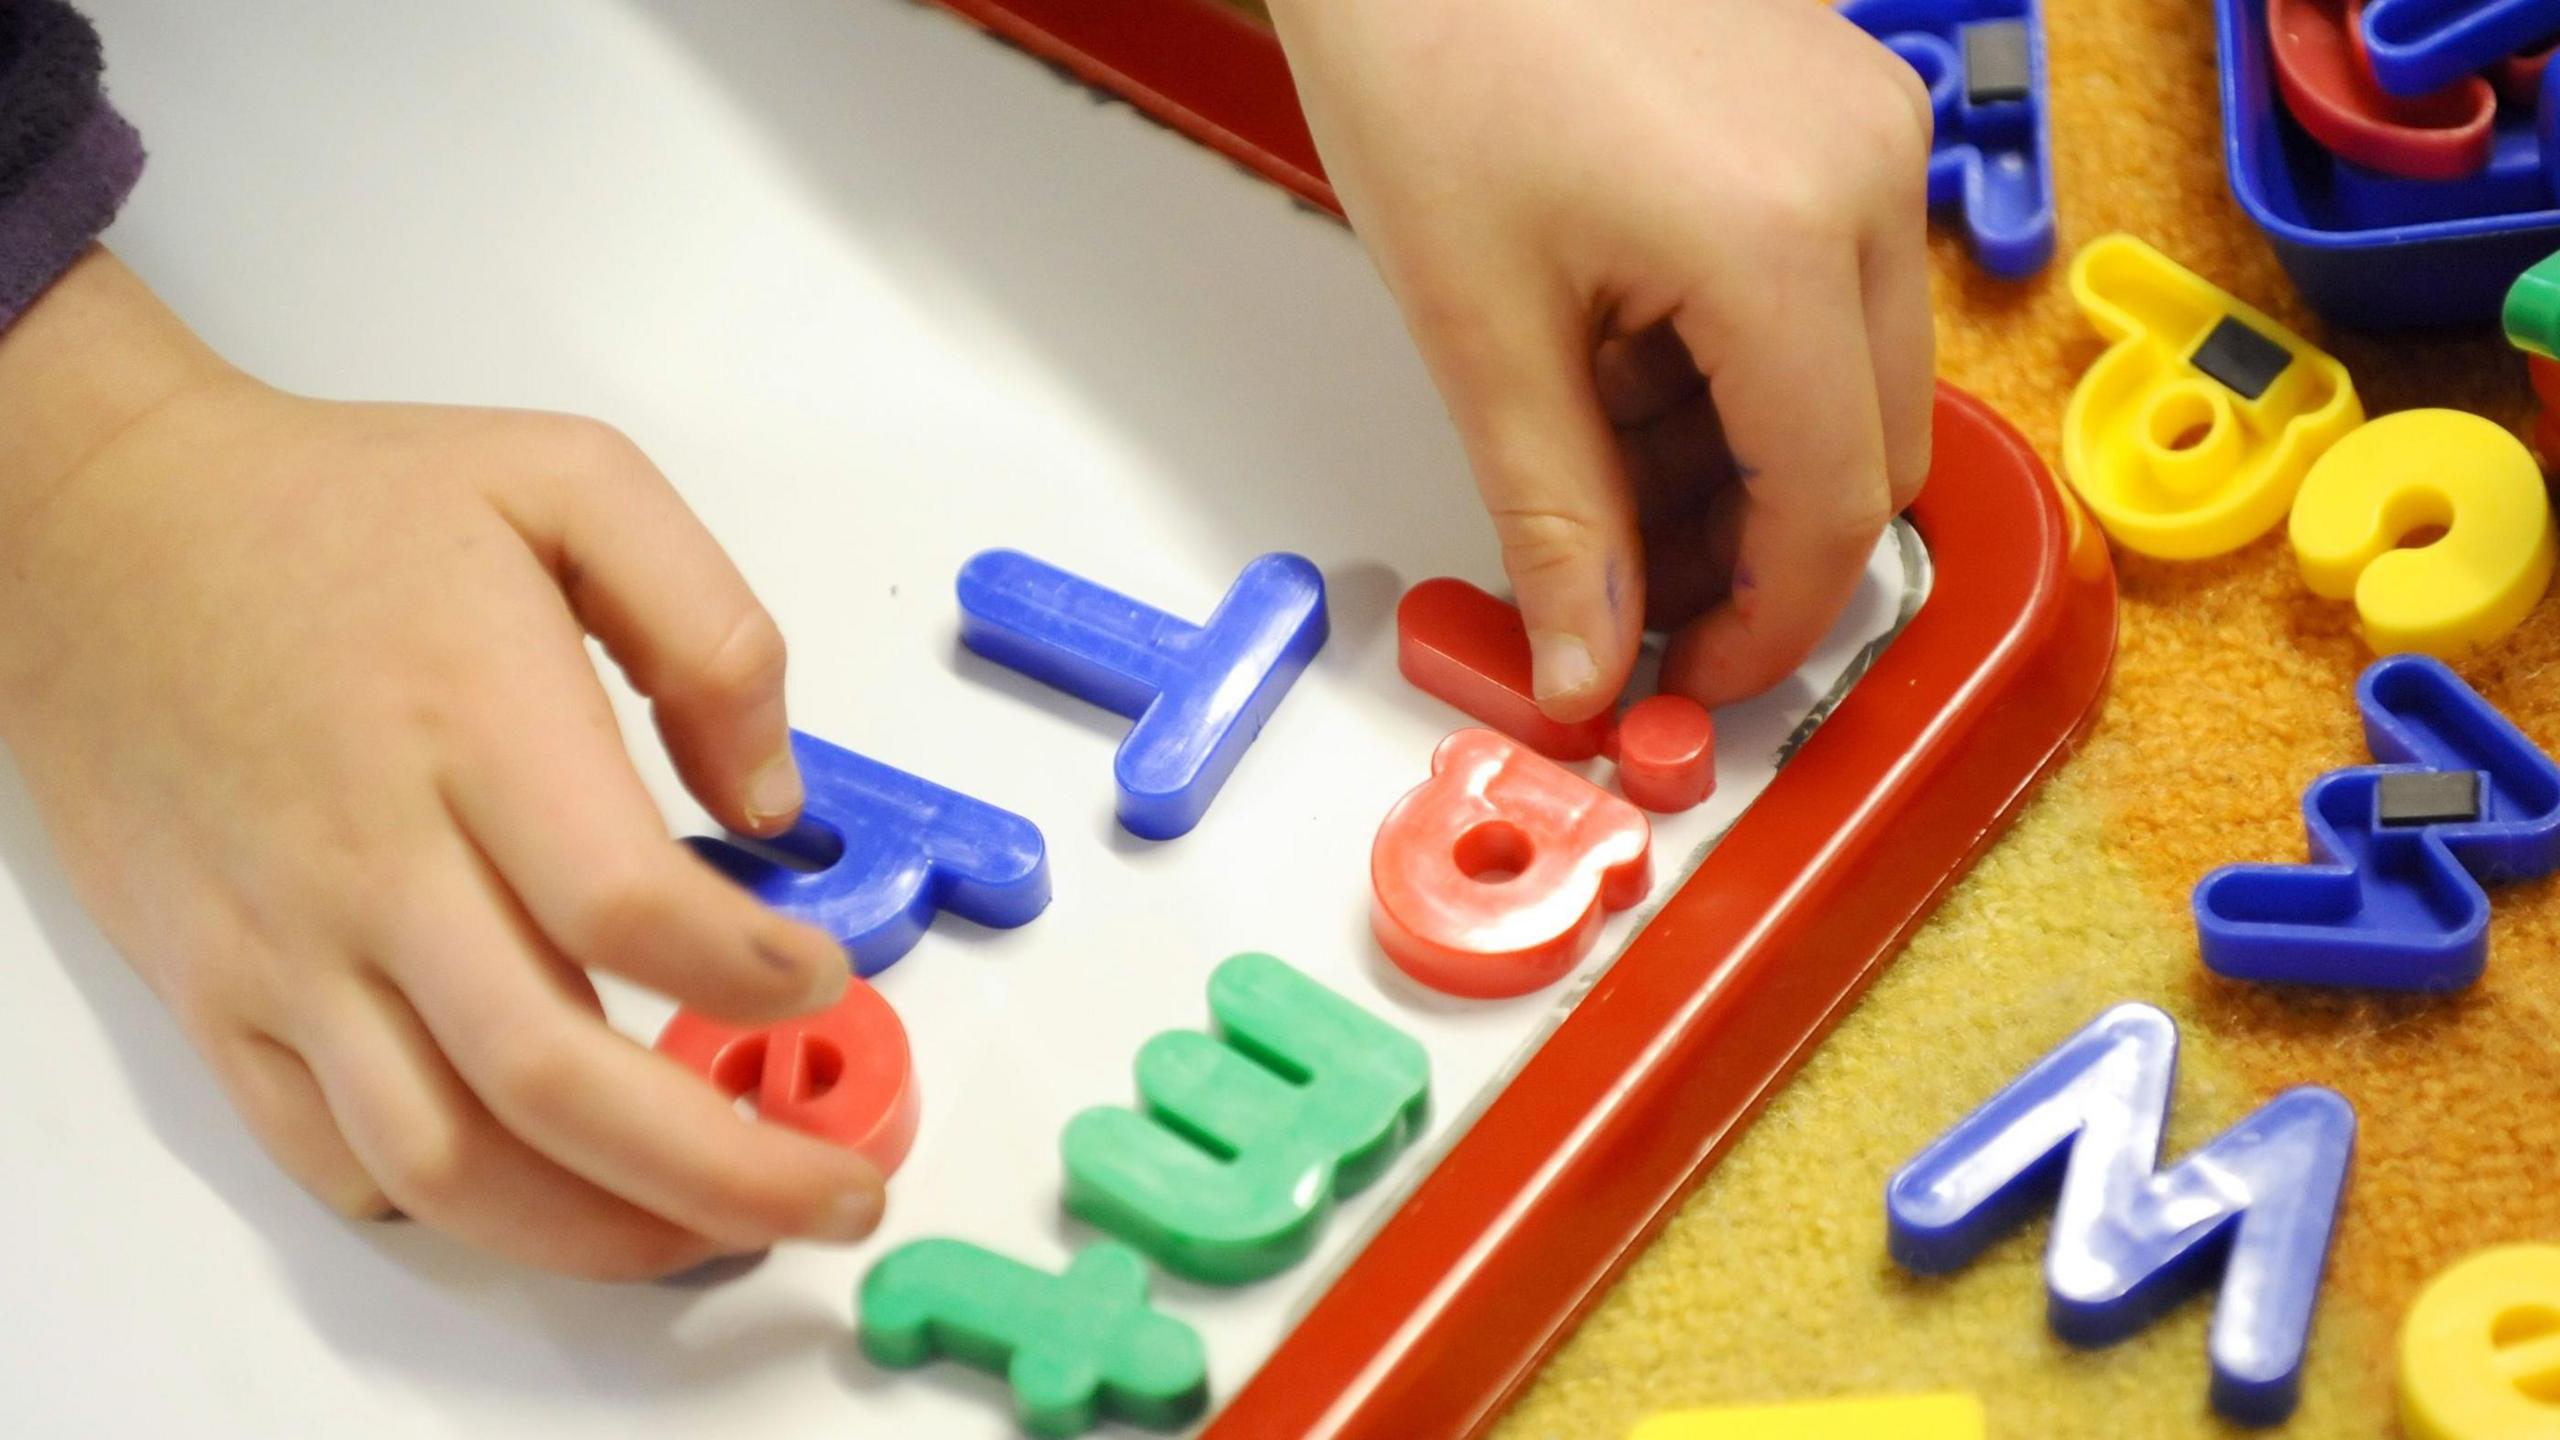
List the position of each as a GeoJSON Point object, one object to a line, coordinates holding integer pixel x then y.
{"type": "Point", "coordinates": [877, 294]}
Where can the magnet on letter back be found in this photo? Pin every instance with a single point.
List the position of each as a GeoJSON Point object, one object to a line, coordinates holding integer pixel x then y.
{"type": "Point", "coordinates": [1492, 877]}
{"type": "Point", "coordinates": [843, 1074]}
{"type": "Point", "coordinates": [1199, 693]}
{"type": "Point", "coordinates": [2189, 436]}
{"type": "Point", "coordinates": [2427, 469]}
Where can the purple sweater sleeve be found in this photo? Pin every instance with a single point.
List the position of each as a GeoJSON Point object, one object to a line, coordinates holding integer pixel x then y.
{"type": "Point", "coordinates": [67, 159]}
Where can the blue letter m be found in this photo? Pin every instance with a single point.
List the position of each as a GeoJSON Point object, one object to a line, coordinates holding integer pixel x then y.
{"type": "Point", "coordinates": [2128, 1243]}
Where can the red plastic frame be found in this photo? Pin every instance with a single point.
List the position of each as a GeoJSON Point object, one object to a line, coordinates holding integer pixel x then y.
{"type": "Point", "coordinates": [1199, 66]}
{"type": "Point", "coordinates": [1520, 1227]}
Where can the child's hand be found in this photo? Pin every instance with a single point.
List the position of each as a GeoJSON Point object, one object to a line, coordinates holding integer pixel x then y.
{"type": "Point", "coordinates": [1583, 208]}
{"type": "Point", "coordinates": [300, 690]}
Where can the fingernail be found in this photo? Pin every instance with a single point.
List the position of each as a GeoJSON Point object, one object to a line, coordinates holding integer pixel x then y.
{"type": "Point", "coordinates": [852, 1216]}
{"type": "Point", "coordinates": [1560, 665]}
{"type": "Point", "coordinates": [773, 792]}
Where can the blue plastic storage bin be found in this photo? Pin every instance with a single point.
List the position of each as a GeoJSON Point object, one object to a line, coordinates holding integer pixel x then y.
{"type": "Point", "coordinates": [2364, 249]}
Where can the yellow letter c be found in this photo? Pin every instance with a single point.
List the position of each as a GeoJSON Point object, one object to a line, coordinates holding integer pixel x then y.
{"type": "Point", "coordinates": [2403, 474]}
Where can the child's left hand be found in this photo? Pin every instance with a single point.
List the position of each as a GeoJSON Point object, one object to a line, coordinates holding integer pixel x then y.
{"type": "Point", "coordinates": [1667, 261]}
{"type": "Point", "coordinates": [299, 689]}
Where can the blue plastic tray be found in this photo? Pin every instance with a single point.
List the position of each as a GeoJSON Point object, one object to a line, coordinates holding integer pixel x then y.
{"type": "Point", "coordinates": [2363, 249]}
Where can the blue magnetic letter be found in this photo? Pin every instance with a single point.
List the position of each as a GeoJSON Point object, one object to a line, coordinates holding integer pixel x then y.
{"type": "Point", "coordinates": [1991, 149]}
{"type": "Point", "coordinates": [1199, 693]}
{"type": "Point", "coordinates": [2415, 46]}
{"type": "Point", "coordinates": [2380, 907]}
{"type": "Point", "coordinates": [2393, 905]}
{"type": "Point", "coordinates": [878, 851]}
{"type": "Point", "coordinates": [2418, 712]}
{"type": "Point", "coordinates": [2127, 1242]}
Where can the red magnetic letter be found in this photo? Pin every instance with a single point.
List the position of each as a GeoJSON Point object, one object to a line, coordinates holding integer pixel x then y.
{"type": "Point", "coordinates": [1492, 877]}
{"type": "Point", "coordinates": [2328, 84]}
{"type": "Point", "coordinates": [843, 1074]}
{"type": "Point", "coordinates": [1470, 649]}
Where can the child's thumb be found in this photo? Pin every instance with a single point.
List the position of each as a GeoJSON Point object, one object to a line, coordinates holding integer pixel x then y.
{"type": "Point", "coordinates": [1519, 384]}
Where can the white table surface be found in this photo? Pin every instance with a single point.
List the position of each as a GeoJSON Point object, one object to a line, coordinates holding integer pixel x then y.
{"type": "Point", "coordinates": [876, 292]}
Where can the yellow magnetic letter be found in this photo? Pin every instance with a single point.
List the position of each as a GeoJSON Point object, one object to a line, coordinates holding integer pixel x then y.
{"type": "Point", "coordinates": [2188, 436]}
{"type": "Point", "coordinates": [1949, 1416]}
{"type": "Point", "coordinates": [2480, 1351]}
{"type": "Point", "coordinates": [2421, 470]}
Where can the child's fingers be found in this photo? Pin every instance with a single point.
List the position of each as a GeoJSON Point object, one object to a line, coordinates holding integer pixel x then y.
{"type": "Point", "coordinates": [1677, 463]}
{"type": "Point", "coordinates": [1643, 376]}
{"type": "Point", "coordinates": [652, 584]}
{"type": "Point", "coordinates": [578, 985]}
{"type": "Point", "coordinates": [1795, 388]}
{"type": "Point", "coordinates": [446, 1162]}
{"type": "Point", "coordinates": [1686, 500]}
{"type": "Point", "coordinates": [1689, 558]}
{"type": "Point", "coordinates": [276, 1095]}
{"type": "Point", "coordinates": [558, 809]}
{"type": "Point", "coordinates": [600, 1105]}
{"type": "Point", "coordinates": [1902, 335]}
{"type": "Point", "coordinates": [1515, 363]}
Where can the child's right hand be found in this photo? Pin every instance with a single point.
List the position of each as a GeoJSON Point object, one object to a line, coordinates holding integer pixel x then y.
{"type": "Point", "coordinates": [1668, 262]}
{"type": "Point", "coordinates": [300, 691]}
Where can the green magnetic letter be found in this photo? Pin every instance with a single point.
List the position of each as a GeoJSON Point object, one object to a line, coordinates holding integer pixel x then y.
{"type": "Point", "coordinates": [2532, 313]}
{"type": "Point", "coordinates": [1248, 1137]}
{"type": "Point", "coordinates": [1074, 1346]}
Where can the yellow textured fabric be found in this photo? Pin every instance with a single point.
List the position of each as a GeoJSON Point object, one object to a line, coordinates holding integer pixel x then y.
{"type": "Point", "coordinates": [2233, 689]}
{"type": "Point", "coordinates": [1947, 1415]}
